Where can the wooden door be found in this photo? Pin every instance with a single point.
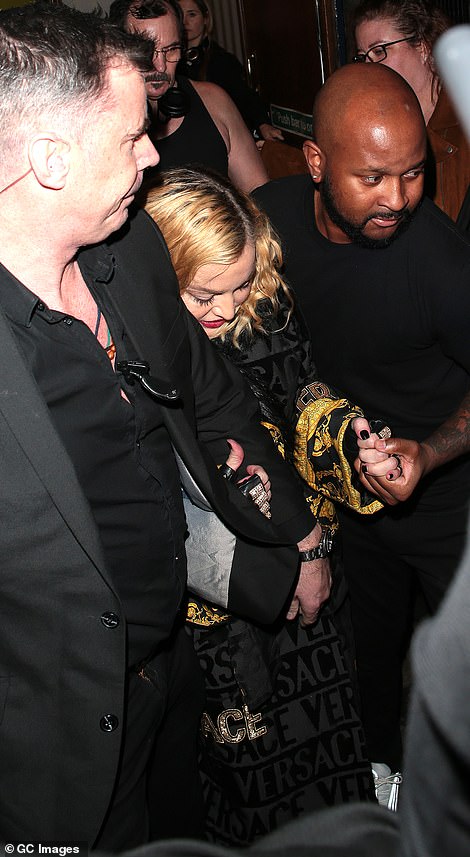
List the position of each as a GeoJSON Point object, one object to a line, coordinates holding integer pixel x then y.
{"type": "Point", "coordinates": [290, 48]}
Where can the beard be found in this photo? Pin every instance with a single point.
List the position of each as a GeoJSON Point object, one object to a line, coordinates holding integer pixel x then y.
{"type": "Point", "coordinates": [355, 231]}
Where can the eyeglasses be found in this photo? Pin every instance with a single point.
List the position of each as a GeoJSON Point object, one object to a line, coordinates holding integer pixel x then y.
{"type": "Point", "coordinates": [379, 52]}
{"type": "Point", "coordinates": [171, 54]}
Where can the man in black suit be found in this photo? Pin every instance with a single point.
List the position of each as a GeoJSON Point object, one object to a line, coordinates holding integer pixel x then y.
{"type": "Point", "coordinates": [93, 562]}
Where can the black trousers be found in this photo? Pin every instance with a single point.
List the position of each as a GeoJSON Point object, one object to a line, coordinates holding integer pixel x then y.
{"type": "Point", "coordinates": [158, 792]}
{"type": "Point", "coordinates": [386, 557]}
{"type": "Point", "coordinates": [356, 830]}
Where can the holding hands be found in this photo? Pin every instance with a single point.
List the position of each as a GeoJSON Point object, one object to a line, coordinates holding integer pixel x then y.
{"type": "Point", "coordinates": [390, 468]}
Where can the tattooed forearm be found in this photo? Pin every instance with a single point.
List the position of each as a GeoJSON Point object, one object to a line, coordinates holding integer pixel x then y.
{"type": "Point", "coordinates": [451, 439]}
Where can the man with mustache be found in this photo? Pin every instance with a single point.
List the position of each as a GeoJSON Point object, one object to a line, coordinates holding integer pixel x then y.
{"type": "Point", "coordinates": [192, 122]}
{"type": "Point", "coordinates": [382, 277]}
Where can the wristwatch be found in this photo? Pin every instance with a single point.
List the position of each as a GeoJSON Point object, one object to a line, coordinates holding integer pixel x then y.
{"type": "Point", "coordinates": [322, 550]}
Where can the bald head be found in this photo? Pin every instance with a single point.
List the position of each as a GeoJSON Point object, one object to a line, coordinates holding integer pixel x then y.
{"type": "Point", "coordinates": [367, 155]}
{"type": "Point", "coordinates": [359, 98]}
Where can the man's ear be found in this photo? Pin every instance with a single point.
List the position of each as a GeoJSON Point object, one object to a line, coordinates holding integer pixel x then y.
{"type": "Point", "coordinates": [49, 157]}
{"type": "Point", "coordinates": [315, 160]}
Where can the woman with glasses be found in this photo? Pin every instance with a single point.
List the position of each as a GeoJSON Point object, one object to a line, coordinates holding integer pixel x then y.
{"type": "Point", "coordinates": [401, 34]}
{"type": "Point", "coordinates": [207, 60]}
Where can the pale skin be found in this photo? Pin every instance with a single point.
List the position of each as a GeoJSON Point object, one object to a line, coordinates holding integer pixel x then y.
{"type": "Point", "coordinates": [245, 167]}
{"type": "Point", "coordinates": [235, 461]}
{"type": "Point", "coordinates": [409, 60]}
{"type": "Point", "coordinates": [113, 156]}
{"type": "Point", "coordinates": [213, 298]}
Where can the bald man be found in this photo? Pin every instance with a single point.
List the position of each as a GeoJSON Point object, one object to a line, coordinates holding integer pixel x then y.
{"type": "Point", "coordinates": [383, 277]}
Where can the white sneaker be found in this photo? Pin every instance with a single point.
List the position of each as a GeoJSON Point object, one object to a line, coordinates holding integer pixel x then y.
{"type": "Point", "coordinates": [386, 785]}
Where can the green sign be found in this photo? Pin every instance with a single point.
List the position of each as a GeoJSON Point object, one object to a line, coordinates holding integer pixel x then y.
{"type": "Point", "coordinates": [291, 120]}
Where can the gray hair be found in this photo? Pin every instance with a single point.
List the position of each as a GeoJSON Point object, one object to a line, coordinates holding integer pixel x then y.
{"type": "Point", "coordinates": [53, 63]}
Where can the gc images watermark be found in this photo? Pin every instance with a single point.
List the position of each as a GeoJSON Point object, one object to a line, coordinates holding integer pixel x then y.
{"type": "Point", "coordinates": [62, 849]}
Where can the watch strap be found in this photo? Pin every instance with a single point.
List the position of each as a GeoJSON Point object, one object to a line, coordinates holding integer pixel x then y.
{"type": "Point", "coordinates": [322, 549]}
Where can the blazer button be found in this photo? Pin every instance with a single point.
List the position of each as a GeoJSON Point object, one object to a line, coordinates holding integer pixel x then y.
{"type": "Point", "coordinates": [110, 620]}
{"type": "Point", "coordinates": [109, 723]}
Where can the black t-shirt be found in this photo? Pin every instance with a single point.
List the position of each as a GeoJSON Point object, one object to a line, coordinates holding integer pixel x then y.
{"type": "Point", "coordinates": [389, 327]}
{"type": "Point", "coordinates": [197, 142]}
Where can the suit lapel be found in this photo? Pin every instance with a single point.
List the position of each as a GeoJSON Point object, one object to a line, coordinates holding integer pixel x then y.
{"type": "Point", "coordinates": [25, 411]}
{"type": "Point", "coordinates": [156, 329]}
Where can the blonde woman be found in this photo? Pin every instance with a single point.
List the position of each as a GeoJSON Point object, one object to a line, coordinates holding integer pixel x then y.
{"type": "Point", "coordinates": [280, 696]}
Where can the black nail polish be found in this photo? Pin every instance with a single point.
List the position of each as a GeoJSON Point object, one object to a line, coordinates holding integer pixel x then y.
{"type": "Point", "coordinates": [364, 434]}
{"type": "Point", "coordinates": [364, 468]}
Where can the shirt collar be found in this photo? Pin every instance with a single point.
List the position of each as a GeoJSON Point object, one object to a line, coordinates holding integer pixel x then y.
{"type": "Point", "coordinates": [98, 262]}
{"type": "Point", "coordinates": [20, 304]}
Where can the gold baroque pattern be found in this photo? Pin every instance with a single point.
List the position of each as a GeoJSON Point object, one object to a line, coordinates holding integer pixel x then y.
{"type": "Point", "coordinates": [318, 452]}
{"type": "Point", "coordinates": [205, 615]}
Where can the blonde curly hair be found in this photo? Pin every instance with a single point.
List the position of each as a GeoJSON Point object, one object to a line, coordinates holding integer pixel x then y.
{"type": "Point", "coordinates": [205, 220]}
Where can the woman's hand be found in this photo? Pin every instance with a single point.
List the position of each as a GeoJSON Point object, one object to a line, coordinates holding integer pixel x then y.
{"type": "Point", "coordinates": [234, 462]}
{"type": "Point", "coordinates": [371, 460]}
{"type": "Point", "coordinates": [268, 132]}
{"type": "Point", "coordinates": [413, 463]}
{"type": "Point", "coordinates": [235, 458]}
{"type": "Point", "coordinates": [389, 468]}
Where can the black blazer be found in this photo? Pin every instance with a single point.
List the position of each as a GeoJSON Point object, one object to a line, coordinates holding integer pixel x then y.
{"type": "Point", "coordinates": [61, 667]}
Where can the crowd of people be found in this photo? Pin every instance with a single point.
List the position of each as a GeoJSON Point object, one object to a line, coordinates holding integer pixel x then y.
{"type": "Point", "coordinates": [192, 121]}
{"type": "Point", "coordinates": [247, 449]}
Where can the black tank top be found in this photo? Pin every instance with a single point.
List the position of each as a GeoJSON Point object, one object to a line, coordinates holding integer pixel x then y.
{"type": "Point", "coordinates": [197, 142]}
